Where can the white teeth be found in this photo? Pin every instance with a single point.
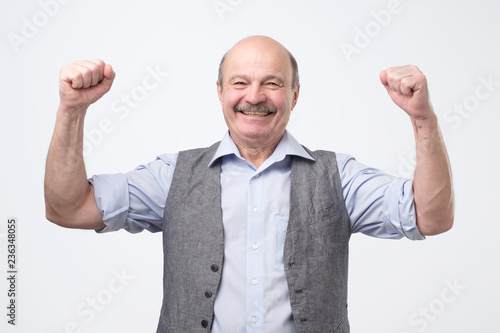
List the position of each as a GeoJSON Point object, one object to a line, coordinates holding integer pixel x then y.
{"type": "Point", "coordinates": [256, 113]}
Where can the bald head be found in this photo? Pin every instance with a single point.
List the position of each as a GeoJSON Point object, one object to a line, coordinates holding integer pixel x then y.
{"type": "Point", "coordinates": [263, 43]}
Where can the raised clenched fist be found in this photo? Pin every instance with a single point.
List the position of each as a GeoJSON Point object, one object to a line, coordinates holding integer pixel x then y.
{"type": "Point", "coordinates": [82, 83]}
{"type": "Point", "coordinates": [407, 86]}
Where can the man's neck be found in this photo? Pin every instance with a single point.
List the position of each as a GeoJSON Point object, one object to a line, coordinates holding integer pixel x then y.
{"type": "Point", "coordinates": [256, 152]}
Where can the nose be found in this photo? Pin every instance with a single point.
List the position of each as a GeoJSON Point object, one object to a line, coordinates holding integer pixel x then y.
{"type": "Point", "coordinates": [255, 94]}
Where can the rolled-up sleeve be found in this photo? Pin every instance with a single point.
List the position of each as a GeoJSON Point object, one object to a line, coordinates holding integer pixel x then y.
{"type": "Point", "coordinates": [399, 209]}
{"type": "Point", "coordinates": [378, 204]}
{"type": "Point", "coordinates": [135, 201]}
{"type": "Point", "coordinates": [112, 198]}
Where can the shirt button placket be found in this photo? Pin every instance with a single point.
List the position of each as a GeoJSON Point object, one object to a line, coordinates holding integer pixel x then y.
{"type": "Point", "coordinates": [255, 234]}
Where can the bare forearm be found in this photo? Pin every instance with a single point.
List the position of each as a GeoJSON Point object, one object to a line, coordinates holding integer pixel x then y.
{"type": "Point", "coordinates": [67, 191]}
{"type": "Point", "coordinates": [432, 184]}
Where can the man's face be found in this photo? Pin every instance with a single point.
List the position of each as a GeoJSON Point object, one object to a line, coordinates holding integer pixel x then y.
{"type": "Point", "coordinates": [257, 94]}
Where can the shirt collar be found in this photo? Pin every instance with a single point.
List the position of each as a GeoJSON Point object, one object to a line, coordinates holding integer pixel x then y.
{"type": "Point", "coordinates": [287, 146]}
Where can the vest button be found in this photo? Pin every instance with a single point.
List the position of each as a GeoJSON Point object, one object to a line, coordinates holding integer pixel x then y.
{"type": "Point", "coordinates": [214, 268]}
{"type": "Point", "coordinates": [208, 294]}
{"type": "Point", "coordinates": [204, 323]}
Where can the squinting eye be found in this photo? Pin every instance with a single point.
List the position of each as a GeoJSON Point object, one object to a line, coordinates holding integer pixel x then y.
{"type": "Point", "coordinates": [239, 83]}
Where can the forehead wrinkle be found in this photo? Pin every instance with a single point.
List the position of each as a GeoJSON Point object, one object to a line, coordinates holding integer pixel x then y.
{"type": "Point", "coordinates": [251, 57]}
{"type": "Point", "coordinates": [239, 76]}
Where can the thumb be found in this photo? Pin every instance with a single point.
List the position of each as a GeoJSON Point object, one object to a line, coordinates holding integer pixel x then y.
{"type": "Point", "coordinates": [108, 78]}
{"type": "Point", "coordinates": [103, 87]}
{"type": "Point", "coordinates": [383, 78]}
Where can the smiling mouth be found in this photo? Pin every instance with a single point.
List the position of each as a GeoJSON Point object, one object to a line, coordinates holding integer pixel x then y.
{"type": "Point", "coordinates": [256, 113]}
{"type": "Point", "coordinates": [256, 110]}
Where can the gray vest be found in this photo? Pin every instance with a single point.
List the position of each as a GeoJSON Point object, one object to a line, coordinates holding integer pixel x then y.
{"type": "Point", "coordinates": [315, 253]}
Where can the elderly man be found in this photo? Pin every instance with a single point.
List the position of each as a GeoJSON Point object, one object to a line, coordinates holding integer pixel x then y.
{"type": "Point", "coordinates": [255, 227]}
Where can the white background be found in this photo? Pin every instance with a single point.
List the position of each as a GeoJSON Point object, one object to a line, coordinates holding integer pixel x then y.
{"type": "Point", "coordinates": [448, 283]}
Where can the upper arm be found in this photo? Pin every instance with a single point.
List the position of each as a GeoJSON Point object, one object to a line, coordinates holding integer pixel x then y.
{"type": "Point", "coordinates": [378, 203]}
{"type": "Point", "coordinates": [135, 201]}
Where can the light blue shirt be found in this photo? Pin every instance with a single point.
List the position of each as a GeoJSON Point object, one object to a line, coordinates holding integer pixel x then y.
{"type": "Point", "coordinates": [253, 294]}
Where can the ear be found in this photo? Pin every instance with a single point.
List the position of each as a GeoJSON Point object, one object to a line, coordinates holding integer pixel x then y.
{"type": "Point", "coordinates": [219, 92]}
{"type": "Point", "coordinates": [295, 96]}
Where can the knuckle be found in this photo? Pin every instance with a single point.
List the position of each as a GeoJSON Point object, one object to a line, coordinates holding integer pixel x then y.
{"type": "Point", "coordinates": [94, 68]}
{"type": "Point", "coordinates": [86, 71]}
{"type": "Point", "coordinates": [98, 62]}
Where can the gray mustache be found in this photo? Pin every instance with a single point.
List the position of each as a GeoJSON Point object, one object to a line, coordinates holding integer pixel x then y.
{"type": "Point", "coordinates": [256, 108]}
